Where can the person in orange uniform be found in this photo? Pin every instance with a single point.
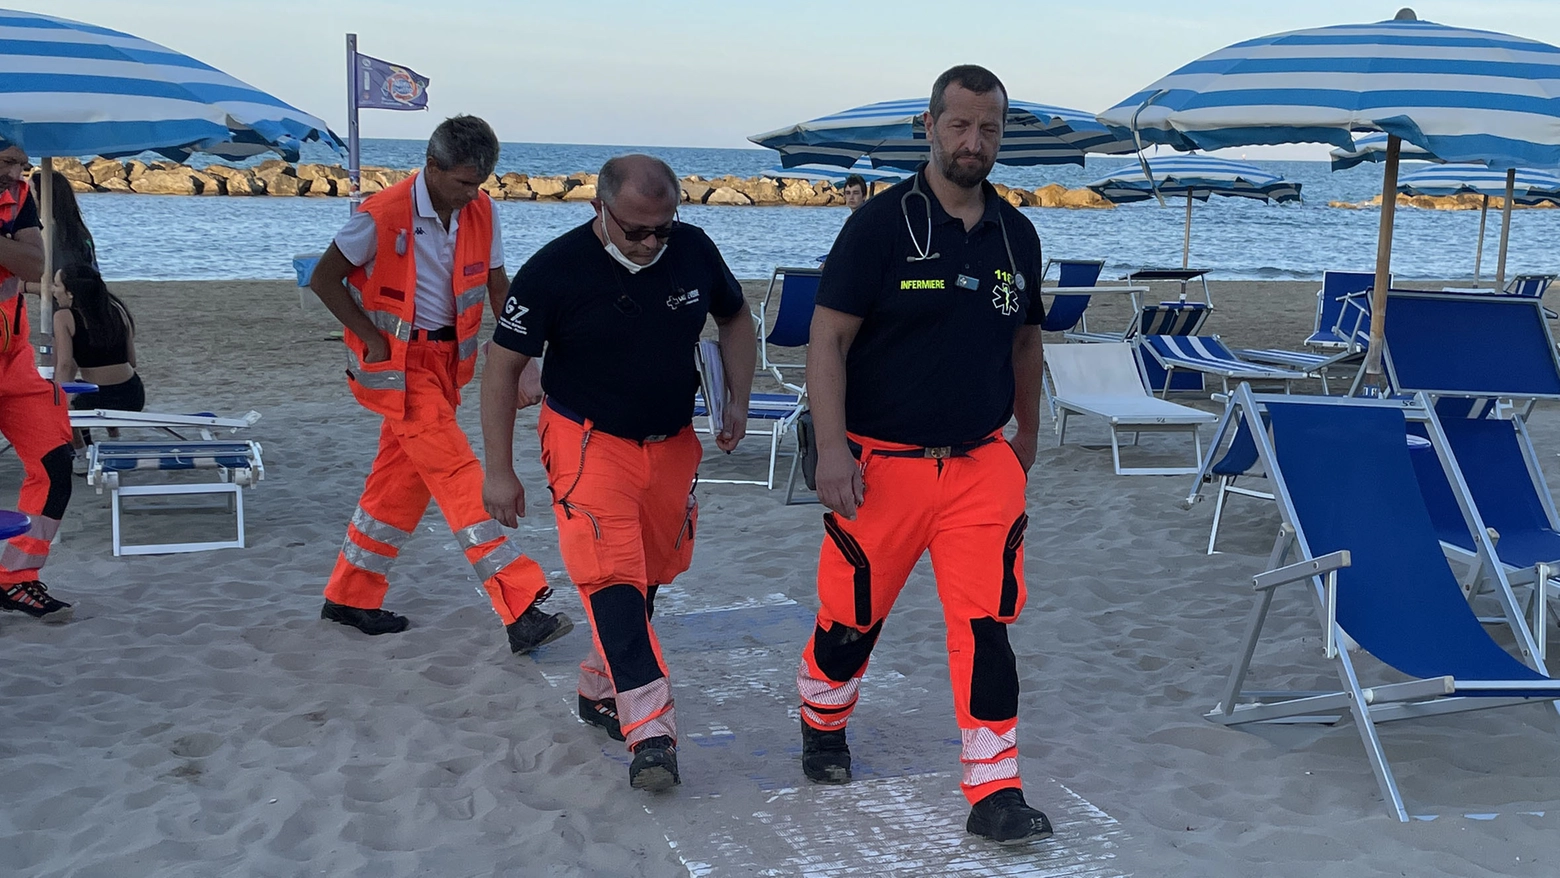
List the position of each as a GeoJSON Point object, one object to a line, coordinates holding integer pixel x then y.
{"type": "Point", "coordinates": [33, 410]}
{"type": "Point", "coordinates": [408, 277]}
{"type": "Point", "coordinates": [618, 304]}
{"type": "Point", "coordinates": [925, 343]}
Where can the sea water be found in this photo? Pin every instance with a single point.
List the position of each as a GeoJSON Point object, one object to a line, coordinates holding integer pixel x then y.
{"type": "Point", "coordinates": [146, 237]}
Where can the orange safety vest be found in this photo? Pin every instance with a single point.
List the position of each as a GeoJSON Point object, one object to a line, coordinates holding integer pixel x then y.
{"type": "Point", "coordinates": [11, 325]}
{"type": "Point", "coordinates": [389, 295]}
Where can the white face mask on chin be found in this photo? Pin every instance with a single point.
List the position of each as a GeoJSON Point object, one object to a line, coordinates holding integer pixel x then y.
{"type": "Point", "coordinates": [617, 255]}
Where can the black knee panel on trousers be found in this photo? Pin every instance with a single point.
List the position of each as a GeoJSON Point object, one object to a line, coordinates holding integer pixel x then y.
{"type": "Point", "coordinates": [57, 464]}
{"type": "Point", "coordinates": [624, 629]}
{"type": "Point", "coordinates": [994, 678]}
{"type": "Point", "coordinates": [842, 650]}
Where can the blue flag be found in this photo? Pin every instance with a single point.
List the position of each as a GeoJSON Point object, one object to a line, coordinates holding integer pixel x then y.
{"type": "Point", "coordinates": [385, 86]}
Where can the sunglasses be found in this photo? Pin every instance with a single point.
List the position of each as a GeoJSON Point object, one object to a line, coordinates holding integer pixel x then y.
{"type": "Point", "coordinates": [661, 233]}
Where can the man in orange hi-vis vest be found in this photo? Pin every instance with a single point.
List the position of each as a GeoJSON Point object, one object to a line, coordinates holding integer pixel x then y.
{"type": "Point", "coordinates": [408, 278]}
{"type": "Point", "coordinates": [33, 413]}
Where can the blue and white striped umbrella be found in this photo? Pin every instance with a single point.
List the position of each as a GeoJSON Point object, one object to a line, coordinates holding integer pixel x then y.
{"type": "Point", "coordinates": [1463, 95]}
{"type": "Point", "coordinates": [1193, 177]}
{"type": "Point", "coordinates": [1372, 147]}
{"type": "Point", "coordinates": [836, 174]}
{"type": "Point", "coordinates": [892, 134]}
{"type": "Point", "coordinates": [1528, 187]}
{"type": "Point", "coordinates": [74, 89]}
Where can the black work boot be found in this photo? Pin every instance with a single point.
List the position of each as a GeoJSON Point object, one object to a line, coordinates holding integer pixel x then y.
{"type": "Point", "coordinates": [1005, 819]}
{"type": "Point", "coordinates": [370, 622]}
{"type": "Point", "coordinates": [534, 627]}
{"type": "Point", "coordinates": [654, 768]}
{"type": "Point", "coordinates": [602, 714]}
{"type": "Point", "coordinates": [825, 756]}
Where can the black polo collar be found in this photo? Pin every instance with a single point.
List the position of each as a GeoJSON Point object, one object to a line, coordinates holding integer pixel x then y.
{"type": "Point", "coordinates": [941, 216]}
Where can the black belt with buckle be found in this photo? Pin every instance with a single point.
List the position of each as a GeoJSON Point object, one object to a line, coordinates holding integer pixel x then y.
{"type": "Point", "coordinates": [935, 452]}
{"type": "Point", "coordinates": [443, 333]}
{"type": "Point", "coordinates": [577, 418]}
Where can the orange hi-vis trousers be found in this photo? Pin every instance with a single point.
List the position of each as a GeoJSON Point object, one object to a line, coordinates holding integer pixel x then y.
{"type": "Point", "coordinates": [426, 454]}
{"type": "Point", "coordinates": [968, 510]}
{"type": "Point", "coordinates": [35, 418]}
{"type": "Point", "coordinates": [626, 522]}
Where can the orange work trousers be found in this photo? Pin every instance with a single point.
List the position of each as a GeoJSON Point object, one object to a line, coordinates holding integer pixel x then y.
{"type": "Point", "coordinates": [35, 419]}
{"type": "Point", "coordinates": [968, 511]}
{"type": "Point", "coordinates": [626, 521]}
{"type": "Point", "coordinates": [421, 456]}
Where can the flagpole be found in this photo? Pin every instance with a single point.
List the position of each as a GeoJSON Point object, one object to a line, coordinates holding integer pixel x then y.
{"type": "Point", "coordinates": [353, 172]}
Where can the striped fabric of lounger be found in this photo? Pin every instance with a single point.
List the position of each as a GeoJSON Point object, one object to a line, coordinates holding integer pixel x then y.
{"type": "Point", "coordinates": [126, 456]}
{"type": "Point", "coordinates": [1206, 353]}
{"type": "Point", "coordinates": [1173, 318]}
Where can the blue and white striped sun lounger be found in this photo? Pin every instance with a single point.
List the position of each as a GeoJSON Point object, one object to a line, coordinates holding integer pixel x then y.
{"type": "Point", "coordinates": [1206, 354]}
{"type": "Point", "coordinates": [236, 465]}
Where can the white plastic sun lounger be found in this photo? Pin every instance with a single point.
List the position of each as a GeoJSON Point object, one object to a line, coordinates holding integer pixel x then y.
{"type": "Point", "coordinates": [1102, 380]}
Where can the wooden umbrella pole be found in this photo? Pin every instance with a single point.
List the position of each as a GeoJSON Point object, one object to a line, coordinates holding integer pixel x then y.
{"type": "Point", "coordinates": [43, 334]}
{"type": "Point", "coordinates": [1378, 294]}
{"type": "Point", "coordinates": [1505, 228]}
{"type": "Point", "coordinates": [1478, 256]}
{"type": "Point", "coordinates": [1186, 238]}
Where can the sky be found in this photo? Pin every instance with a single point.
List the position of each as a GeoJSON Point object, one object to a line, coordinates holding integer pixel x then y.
{"type": "Point", "coordinates": [711, 72]}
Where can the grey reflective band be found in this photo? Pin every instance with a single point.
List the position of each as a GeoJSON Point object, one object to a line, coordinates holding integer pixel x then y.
{"type": "Point", "coordinates": [380, 380]}
{"type": "Point", "coordinates": [365, 559]}
{"type": "Point", "coordinates": [468, 348]}
{"type": "Point", "coordinates": [473, 296]}
{"type": "Point", "coordinates": [479, 533]}
{"type": "Point", "coordinates": [15, 559]}
{"type": "Point", "coordinates": [377, 530]}
{"type": "Point", "coordinates": [503, 555]}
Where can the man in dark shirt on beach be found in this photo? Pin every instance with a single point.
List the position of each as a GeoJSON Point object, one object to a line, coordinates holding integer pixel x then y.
{"type": "Point", "coordinates": [618, 305]}
{"type": "Point", "coordinates": [925, 342]}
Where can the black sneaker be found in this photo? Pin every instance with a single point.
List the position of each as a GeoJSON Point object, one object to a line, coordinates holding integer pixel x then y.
{"type": "Point", "coordinates": [535, 627]}
{"type": "Point", "coordinates": [370, 622]}
{"type": "Point", "coordinates": [1005, 819]}
{"type": "Point", "coordinates": [825, 756]}
{"type": "Point", "coordinates": [33, 598]}
{"type": "Point", "coordinates": [602, 714]}
{"type": "Point", "coordinates": [654, 768]}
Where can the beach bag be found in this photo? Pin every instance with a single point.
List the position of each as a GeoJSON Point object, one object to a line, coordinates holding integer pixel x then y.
{"type": "Point", "coordinates": [807, 449]}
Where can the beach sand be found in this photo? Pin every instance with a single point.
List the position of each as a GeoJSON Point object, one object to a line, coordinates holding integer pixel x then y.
{"type": "Point", "coordinates": [198, 719]}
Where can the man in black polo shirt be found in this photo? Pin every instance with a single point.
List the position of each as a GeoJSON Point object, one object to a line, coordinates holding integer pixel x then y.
{"type": "Point", "coordinates": [618, 305]}
{"type": "Point", "coordinates": [925, 342]}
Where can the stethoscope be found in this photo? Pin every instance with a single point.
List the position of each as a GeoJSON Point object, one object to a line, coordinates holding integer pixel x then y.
{"type": "Point", "coordinates": [922, 254]}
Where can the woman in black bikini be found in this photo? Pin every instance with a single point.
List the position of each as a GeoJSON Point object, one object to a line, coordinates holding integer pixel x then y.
{"type": "Point", "coordinates": [95, 337]}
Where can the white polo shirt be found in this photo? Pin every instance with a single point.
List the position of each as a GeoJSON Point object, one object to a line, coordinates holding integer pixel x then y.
{"type": "Point", "coordinates": [434, 304]}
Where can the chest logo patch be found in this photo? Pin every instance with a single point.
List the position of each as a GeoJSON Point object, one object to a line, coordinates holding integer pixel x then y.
{"type": "Point", "coordinates": [680, 298]}
{"type": "Point", "coordinates": [1005, 295]}
{"type": "Point", "coordinates": [934, 283]}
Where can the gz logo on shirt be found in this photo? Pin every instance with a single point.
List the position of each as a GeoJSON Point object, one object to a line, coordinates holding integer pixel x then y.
{"type": "Point", "coordinates": [680, 298]}
{"type": "Point", "coordinates": [514, 312]}
{"type": "Point", "coordinates": [1005, 294]}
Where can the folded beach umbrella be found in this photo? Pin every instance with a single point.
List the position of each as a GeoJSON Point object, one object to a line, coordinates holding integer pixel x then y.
{"type": "Point", "coordinates": [73, 89]}
{"type": "Point", "coordinates": [836, 174]}
{"type": "Point", "coordinates": [1527, 187]}
{"type": "Point", "coordinates": [892, 134]}
{"type": "Point", "coordinates": [1463, 95]}
{"type": "Point", "coordinates": [1193, 177]}
{"type": "Point", "coordinates": [1373, 148]}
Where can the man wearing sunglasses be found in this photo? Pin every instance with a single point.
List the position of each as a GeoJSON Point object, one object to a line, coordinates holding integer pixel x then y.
{"type": "Point", "coordinates": [618, 304]}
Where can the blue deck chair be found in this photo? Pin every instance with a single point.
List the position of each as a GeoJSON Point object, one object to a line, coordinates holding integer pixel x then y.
{"type": "Point", "coordinates": [793, 321]}
{"type": "Point", "coordinates": [1330, 305]}
{"type": "Point", "coordinates": [1239, 461]}
{"type": "Point", "coordinates": [1372, 559]}
{"type": "Point", "coordinates": [1469, 346]}
{"type": "Point", "coordinates": [1201, 355]}
{"type": "Point", "coordinates": [780, 410]}
{"type": "Point", "coordinates": [1529, 286]}
{"type": "Point", "coordinates": [1067, 311]}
